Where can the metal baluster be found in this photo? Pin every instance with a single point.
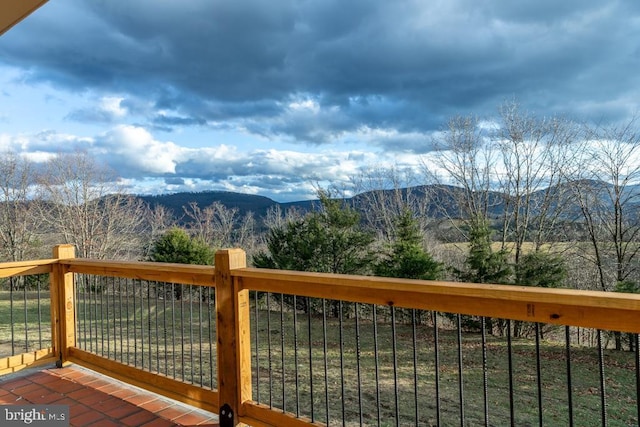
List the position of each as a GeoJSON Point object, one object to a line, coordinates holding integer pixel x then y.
{"type": "Point", "coordinates": [436, 353]}
{"type": "Point", "coordinates": [376, 361]}
{"type": "Point", "coordinates": [201, 383]}
{"type": "Point", "coordinates": [182, 374]}
{"type": "Point", "coordinates": [394, 350]}
{"type": "Point", "coordinates": [637, 361]}
{"type": "Point", "coordinates": [308, 301]}
{"type": "Point", "coordinates": [191, 361]}
{"type": "Point", "coordinates": [460, 379]}
{"type": "Point", "coordinates": [75, 325]}
{"type": "Point", "coordinates": [211, 338]}
{"type": "Point", "coordinates": [295, 353]}
{"type": "Point", "coordinates": [26, 314]}
{"type": "Point", "coordinates": [135, 326]}
{"type": "Point", "coordinates": [326, 366]}
{"type": "Point", "coordinates": [341, 346]}
{"type": "Point", "coordinates": [415, 366]}
{"type": "Point", "coordinates": [269, 350]}
{"type": "Point", "coordinates": [569, 384]}
{"type": "Point", "coordinates": [510, 363]}
{"type": "Point", "coordinates": [173, 328]}
{"type": "Point", "coordinates": [257, 351]}
{"type": "Point", "coordinates": [358, 355]}
{"type": "Point", "coordinates": [603, 391]}
{"type": "Point", "coordinates": [13, 332]}
{"type": "Point", "coordinates": [164, 329]}
{"type": "Point", "coordinates": [284, 406]}
{"type": "Point", "coordinates": [539, 374]}
{"type": "Point", "coordinates": [485, 385]}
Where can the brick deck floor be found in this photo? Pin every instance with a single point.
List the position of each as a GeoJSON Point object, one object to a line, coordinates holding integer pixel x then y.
{"type": "Point", "coordinates": [97, 400]}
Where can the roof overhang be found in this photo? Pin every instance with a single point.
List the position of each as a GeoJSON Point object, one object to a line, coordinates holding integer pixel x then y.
{"type": "Point", "coordinates": [14, 11]}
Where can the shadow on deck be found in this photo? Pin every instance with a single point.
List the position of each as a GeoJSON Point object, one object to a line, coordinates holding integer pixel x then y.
{"type": "Point", "coordinates": [97, 400]}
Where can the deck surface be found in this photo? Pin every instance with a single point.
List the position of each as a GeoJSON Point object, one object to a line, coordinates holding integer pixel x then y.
{"type": "Point", "coordinates": [97, 400]}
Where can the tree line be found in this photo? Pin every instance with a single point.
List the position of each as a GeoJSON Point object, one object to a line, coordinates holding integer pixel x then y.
{"type": "Point", "coordinates": [517, 199]}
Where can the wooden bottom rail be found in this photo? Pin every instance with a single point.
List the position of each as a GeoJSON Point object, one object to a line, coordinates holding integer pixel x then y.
{"type": "Point", "coordinates": [157, 383]}
{"type": "Point", "coordinates": [258, 415]}
{"type": "Point", "coordinates": [18, 362]}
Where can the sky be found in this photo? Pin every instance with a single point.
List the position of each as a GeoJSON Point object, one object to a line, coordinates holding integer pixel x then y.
{"type": "Point", "coordinates": [277, 98]}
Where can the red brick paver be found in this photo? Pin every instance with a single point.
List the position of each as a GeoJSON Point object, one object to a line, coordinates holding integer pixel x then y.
{"type": "Point", "coordinates": [96, 400]}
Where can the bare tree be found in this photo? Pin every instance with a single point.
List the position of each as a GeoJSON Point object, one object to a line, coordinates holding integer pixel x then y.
{"type": "Point", "coordinates": [463, 171]}
{"type": "Point", "coordinates": [534, 153]}
{"type": "Point", "coordinates": [220, 226]}
{"type": "Point", "coordinates": [84, 203]}
{"type": "Point", "coordinates": [18, 228]}
{"type": "Point", "coordinates": [607, 194]}
{"type": "Point", "coordinates": [384, 194]}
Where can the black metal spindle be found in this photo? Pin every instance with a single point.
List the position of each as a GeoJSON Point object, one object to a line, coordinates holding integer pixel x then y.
{"type": "Point", "coordinates": [11, 321]}
{"type": "Point", "coordinates": [269, 358]}
{"type": "Point", "coordinates": [485, 384]}
{"type": "Point", "coordinates": [567, 333]}
{"type": "Point", "coordinates": [326, 365]}
{"type": "Point", "coordinates": [211, 337]}
{"type": "Point", "coordinates": [26, 314]}
{"type": "Point", "coordinates": [637, 362]}
{"type": "Point", "coordinates": [200, 365]}
{"type": "Point", "coordinates": [173, 329]}
{"type": "Point", "coordinates": [295, 354]}
{"type": "Point", "coordinates": [603, 391]}
{"type": "Point", "coordinates": [436, 361]}
{"type": "Point", "coordinates": [127, 322]}
{"type": "Point", "coordinates": [142, 325]}
{"type": "Point", "coordinates": [105, 290]}
{"type": "Point", "coordinates": [165, 335]}
{"type": "Point", "coordinates": [341, 346]}
{"type": "Point", "coordinates": [282, 353]}
{"type": "Point", "coordinates": [376, 362]}
{"type": "Point", "coordinates": [539, 373]}
{"type": "Point", "coordinates": [394, 350]}
{"type": "Point", "coordinates": [40, 314]}
{"type": "Point", "coordinates": [182, 352]}
{"type": "Point", "coordinates": [510, 364]}
{"type": "Point", "coordinates": [156, 286]}
{"type": "Point", "coordinates": [358, 367]}
{"type": "Point", "coordinates": [100, 290]}
{"type": "Point", "coordinates": [460, 378]}
{"type": "Point", "coordinates": [414, 340]}
{"type": "Point", "coordinates": [257, 322]}
{"type": "Point", "coordinates": [191, 364]}
{"type": "Point", "coordinates": [135, 325]}
{"type": "Point", "coordinates": [311, 397]}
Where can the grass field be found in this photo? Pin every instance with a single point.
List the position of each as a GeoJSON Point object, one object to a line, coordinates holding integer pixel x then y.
{"type": "Point", "coordinates": [360, 379]}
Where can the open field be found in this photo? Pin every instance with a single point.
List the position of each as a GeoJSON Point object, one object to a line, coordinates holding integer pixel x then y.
{"type": "Point", "coordinates": [312, 365]}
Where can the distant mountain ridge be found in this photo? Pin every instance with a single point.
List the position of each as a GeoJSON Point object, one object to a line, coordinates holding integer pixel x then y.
{"type": "Point", "coordinates": [442, 203]}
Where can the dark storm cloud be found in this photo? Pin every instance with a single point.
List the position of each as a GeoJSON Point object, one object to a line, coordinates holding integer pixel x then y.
{"type": "Point", "coordinates": [401, 65]}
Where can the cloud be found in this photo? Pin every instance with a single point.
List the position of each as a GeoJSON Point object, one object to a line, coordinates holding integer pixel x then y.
{"type": "Point", "coordinates": [413, 63]}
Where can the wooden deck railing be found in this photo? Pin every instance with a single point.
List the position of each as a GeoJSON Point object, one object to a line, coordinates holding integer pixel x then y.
{"type": "Point", "coordinates": [233, 397]}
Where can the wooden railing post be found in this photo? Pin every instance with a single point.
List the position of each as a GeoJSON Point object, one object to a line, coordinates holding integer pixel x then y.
{"type": "Point", "coordinates": [234, 342]}
{"type": "Point", "coordinates": [63, 312]}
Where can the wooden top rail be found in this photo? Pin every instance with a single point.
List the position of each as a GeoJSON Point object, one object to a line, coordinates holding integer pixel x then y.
{"type": "Point", "coordinates": [186, 274]}
{"type": "Point", "coordinates": [593, 309]}
{"type": "Point", "coordinates": [26, 268]}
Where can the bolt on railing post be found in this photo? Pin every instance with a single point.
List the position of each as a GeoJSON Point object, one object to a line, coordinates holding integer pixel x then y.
{"type": "Point", "coordinates": [63, 312]}
{"type": "Point", "coordinates": [233, 332]}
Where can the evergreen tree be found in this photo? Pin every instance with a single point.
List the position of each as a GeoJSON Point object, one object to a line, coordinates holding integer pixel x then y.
{"type": "Point", "coordinates": [484, 265]}
{"type": "Point", "coordinates": [406, 257]}
{"type": "Point", "coordinates": [541, 269]}
{"type": "Point", "coordinates": [329, 240]}
{"type": "Point", "coordinates": [177, 246]}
